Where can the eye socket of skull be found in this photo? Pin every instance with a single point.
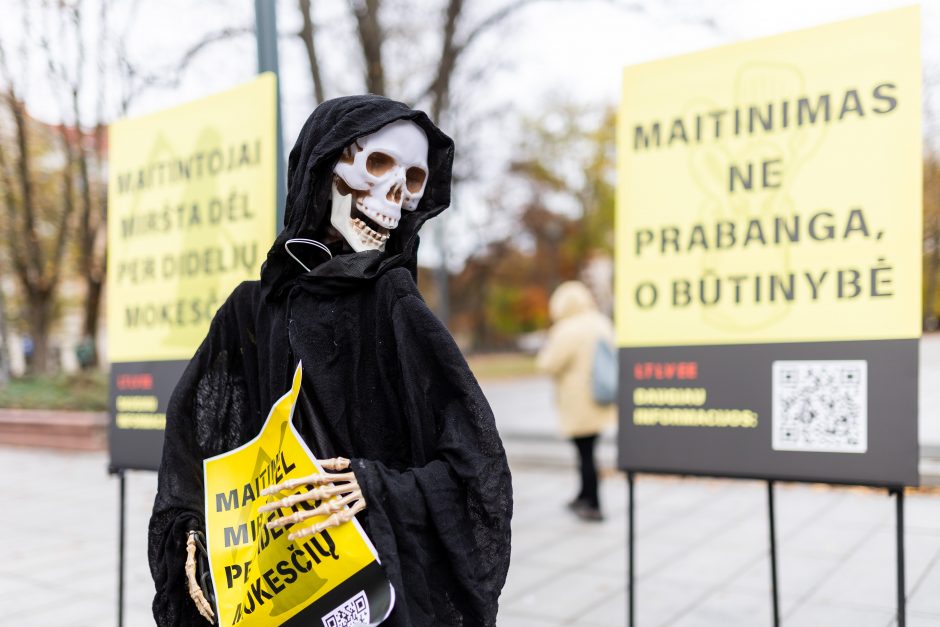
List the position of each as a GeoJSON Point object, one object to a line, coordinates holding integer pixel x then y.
{"type": "Point", "coordinates": [414, 179]}
{"type": "Point", "coordinates": [379, 163]}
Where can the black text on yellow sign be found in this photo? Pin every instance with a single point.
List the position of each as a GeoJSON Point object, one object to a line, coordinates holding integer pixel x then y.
{"type": "Point", "coordinates": [771, 193]}
{"type": "Point", "coordinates": [191, 198]}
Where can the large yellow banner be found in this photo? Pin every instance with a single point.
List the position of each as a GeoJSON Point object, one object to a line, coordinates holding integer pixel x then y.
{"type": "Point", "coordinates": [770, 191]}
{"type": "Point", "coordinates": [260, 576]}
{"type": "Point", "coordinates": [191, 213]}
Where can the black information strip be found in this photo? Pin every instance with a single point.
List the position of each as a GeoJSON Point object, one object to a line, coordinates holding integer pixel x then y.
{"type": "Point", "coordinates": [140, 393]}
{"type": "Point", "coordinates": [370, 582]}
{"type": "Point", "coordinates": [835, 412]}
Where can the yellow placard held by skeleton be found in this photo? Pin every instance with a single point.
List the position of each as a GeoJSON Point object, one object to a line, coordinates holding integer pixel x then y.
{"type": "Point", "coordinates": [260, 576]}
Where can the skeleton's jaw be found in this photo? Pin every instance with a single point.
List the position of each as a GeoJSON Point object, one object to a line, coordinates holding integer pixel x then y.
{"type": "Point", "coordinates": [359, 231]}
{"type": "Point", "coordinates": [368, 231]}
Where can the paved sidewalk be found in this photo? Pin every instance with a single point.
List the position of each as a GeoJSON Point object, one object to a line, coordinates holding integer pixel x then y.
{"type": "Point", "coordinates": [701, 551]}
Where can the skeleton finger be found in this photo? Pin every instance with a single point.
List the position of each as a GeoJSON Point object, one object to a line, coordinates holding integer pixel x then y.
{"type": "Point", "coordinates": [336, 463]}
{"type": "Point", "coordinates": [195, 592]}
{"type": "Point", "coordinates": [292, 484]}
{"type": "Point", "coordinates": [323, 509]}
{"type": "Point", "coordinates": [317, 494]}
{"type": "Point", "coordinates": [335, 520]}
{"type": "Point", "coordinates": [328, 507]}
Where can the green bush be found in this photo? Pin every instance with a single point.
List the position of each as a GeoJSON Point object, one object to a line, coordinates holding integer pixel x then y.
{"type": "Point", "coordinates": [85, 392]}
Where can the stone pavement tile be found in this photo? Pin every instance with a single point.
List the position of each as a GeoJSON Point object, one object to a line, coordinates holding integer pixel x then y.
{"type": "Point", "coordinates": [797, 577]}
{"type": "Point", "coordinates": [728, 608]}
{"type": "Point", "coordinates": [584, 548]}
{"type": "Point", "coordinates": [926, 596]}
{"type": "Point", "coordinates": [563, 596]}
{"type": "Point", "coordinates": [523, 577]}
{"type": "Point", "coordinates": [606, 613]}
{"type": "Point", "coordinates": [677, 501]}
{"type": "Point", "coordinates": [17, 591]}
{"type": "Point", "coordinates": [58, 609]}
{"type": "Point", "coordinates": [529, 541]}
{"type": "Point", "coordinates": [708, 565]}
{"type": "Point", "coordinates": [799, 504]}
{"type": "Point", "coordinates": [613, 562]}
{"type": "Point", "coordinates": [856, 507]}
{"type": "Point", "coordinates": [702, 519]}
{"type": "Point", "coordinates": [823, 537]}
{"type": "Point", "coordinates": [751, 530]}
{"type": "Point", "coordinates": [826, 615]}
{"type": "Point", "coordinates": [660, 600]}
{"type": "Point", "coordinates": [867, 577]}
{"type": "Point", "coordinates": [916, 619]}
{"type": "Point", "coordinates": [515, 619]}
{"type": "Point", "coordinates": [922, 511]}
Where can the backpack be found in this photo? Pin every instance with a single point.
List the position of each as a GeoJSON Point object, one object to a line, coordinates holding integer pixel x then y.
{"type": "Point", "coordinates": [604, 373]}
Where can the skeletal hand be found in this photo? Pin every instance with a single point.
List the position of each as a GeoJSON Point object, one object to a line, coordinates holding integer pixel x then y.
{"type": "Point", "coordinates": [195, 592]}
{"type": "Point", "coordinates": [334, 491]}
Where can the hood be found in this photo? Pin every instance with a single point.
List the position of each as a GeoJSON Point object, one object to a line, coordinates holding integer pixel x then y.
{"type": "Point", "coordinates": [570, 299]}
{"type": "Point", "coordinates": [330, 128]}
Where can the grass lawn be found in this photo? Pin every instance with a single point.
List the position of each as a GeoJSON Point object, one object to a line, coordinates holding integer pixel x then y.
{"type": "Point", "coordinates": [502, 365]}
{"type": "Point", "coordinates": [85, 392]}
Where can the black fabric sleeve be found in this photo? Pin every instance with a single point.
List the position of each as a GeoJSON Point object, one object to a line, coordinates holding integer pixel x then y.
{"type": "Point", "coordinates": [179, 504]}
{"type": "Point", "coordinates": [442, 528]}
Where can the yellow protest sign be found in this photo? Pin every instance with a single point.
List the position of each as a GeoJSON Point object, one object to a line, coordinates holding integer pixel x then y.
{"type": "Point", "coordinates": [191, 214]}
{"type": "Point", "coordinates": [769, 191]}
{"type": "Point", "coordinates": [260, 577]}
{"type": "Point", "coordinates": [769, 244]}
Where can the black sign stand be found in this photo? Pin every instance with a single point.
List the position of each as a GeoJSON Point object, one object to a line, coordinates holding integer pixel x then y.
{"type": "Point", "coordinates": [899, 533]}
{"type": "Point", "coordinates": [898, 493]}
{"type": "Point", "coordinates": [631, 579]}
{"type": "Point", "coordinates": [774, 591]}
{"type": "Point", "coordinates": [122, 508]}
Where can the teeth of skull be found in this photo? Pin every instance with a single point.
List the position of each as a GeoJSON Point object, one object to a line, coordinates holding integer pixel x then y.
{"type": "Point", "coordinates": [367, 234]}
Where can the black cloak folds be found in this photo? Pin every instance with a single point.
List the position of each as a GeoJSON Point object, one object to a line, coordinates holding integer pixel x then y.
{"type": "Point", "coordinates": [385, 380]}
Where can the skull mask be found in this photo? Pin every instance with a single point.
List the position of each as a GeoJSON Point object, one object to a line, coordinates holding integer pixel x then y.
{"type": "Point", "coordinates": [375, 178]}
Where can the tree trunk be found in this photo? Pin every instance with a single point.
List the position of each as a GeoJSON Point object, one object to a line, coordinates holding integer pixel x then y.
{"type": "Point", "coordinates": [306, 35]}
{"type": "Point", "coordinates": [40, 325]}
{"type": "Point", "coordinates": [4, 343]}
{"type": "Point", "coordinates": [371, 38]}
{"type": "Point", "coordinates": [95, 288]}
{"type": "Point", "coordinates": [930, 280]}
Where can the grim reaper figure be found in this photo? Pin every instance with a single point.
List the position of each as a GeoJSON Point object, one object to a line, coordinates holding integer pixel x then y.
{"type": "Point", "coordinates": [387, 399]}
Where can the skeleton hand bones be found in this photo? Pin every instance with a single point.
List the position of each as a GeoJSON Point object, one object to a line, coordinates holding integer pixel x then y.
{"type": "Point", "coordinates": [195, 592]}
{"type": "Point", "coordinates": [333, 491]}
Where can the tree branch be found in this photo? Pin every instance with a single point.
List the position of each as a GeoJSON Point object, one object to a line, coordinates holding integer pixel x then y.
{"type": "Point", "coordinates": [371, 37]}
{"type": "Point", "coordinates": [306, 35]}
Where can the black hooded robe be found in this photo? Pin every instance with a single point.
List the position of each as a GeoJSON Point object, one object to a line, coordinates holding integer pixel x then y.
{"type": "Point", "coordinates": [384, 385]}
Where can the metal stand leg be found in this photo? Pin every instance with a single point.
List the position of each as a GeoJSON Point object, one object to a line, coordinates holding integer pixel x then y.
{"type": "Point", "coordinates": [631, 580]}
{"type": "Point", "coordinates": [773, 553]}
{"type": "Point", "coordinates": [121, 509]}
{"type": "Point", "coordinates": [899, 528]}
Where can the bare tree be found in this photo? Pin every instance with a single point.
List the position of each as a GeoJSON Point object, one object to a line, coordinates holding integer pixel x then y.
{"type": "Point", "coordinates": [4, 338]}
{"type": "Point", "coordinates": [82, 75]}
{"type": "Point", "coordinates": [36, 230]}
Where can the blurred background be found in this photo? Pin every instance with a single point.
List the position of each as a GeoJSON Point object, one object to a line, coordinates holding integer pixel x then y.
{"type": "Point", "coordinates": [528, 89]}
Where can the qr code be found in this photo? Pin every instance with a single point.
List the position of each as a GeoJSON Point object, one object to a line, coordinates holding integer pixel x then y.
{"type": "Point", "coordinates": [352, 613]}
{"type": "Point", "coordinates": [820, 406]}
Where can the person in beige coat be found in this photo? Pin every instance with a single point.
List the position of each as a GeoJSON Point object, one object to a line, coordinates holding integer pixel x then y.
{"type": "Point", "coordinates": [568, 356]}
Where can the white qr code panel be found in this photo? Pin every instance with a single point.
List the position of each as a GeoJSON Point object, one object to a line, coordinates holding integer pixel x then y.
{"type": "Point", "coordinates": [352, 613]}
{"type": "Point", "coordinates": [820, 406]}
